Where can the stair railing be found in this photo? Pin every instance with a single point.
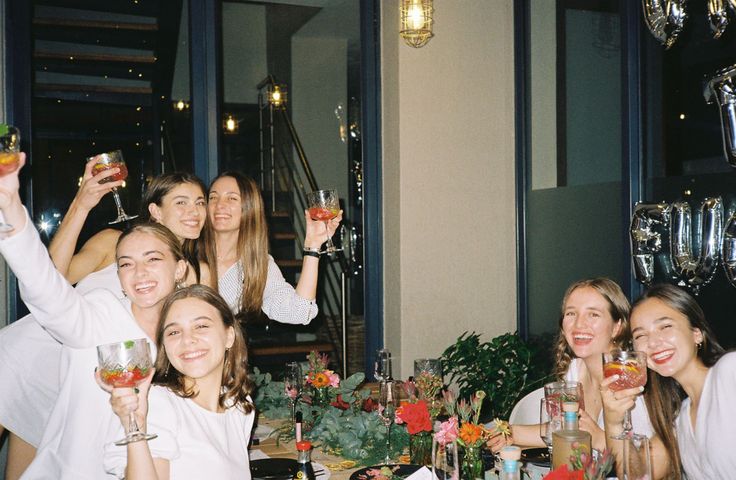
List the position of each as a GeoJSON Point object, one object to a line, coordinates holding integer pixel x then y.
{"type": "Point", "coordinates": [283, 173]}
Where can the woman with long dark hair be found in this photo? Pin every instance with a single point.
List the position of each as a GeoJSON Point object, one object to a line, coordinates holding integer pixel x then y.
{"type": "Point", "coordinates": [691, 387]}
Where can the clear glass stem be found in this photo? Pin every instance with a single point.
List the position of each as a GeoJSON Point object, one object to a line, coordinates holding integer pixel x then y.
{"type": "Point", "coordinates": [132, 424]}
{"type": "Point", "coordinates": [118, 203]}
{"type": "Point", "coordinates": [387, 460]}
{"type": "Point", "coordinates": [627, 423]}
{"type": "Point", "coordinates": [330, 246]}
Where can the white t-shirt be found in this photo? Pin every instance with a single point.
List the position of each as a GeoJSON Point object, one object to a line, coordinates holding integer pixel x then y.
{"type": "Point", "coordinates": [639, 414]}
{"type": "Point", "coordinates": [25, 346]}
{"type": "Point", "coordinates": [72, 443]}
{"type": "Point", "coordinates": [707, 453]}
{"type": "Point", "coordinates": [198, 443]}
{"type": "Point", "coordinates": [280, 301]}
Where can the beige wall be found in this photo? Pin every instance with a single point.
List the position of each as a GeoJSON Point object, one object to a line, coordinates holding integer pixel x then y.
{"type": "Point", "coordinates": [448, 179]}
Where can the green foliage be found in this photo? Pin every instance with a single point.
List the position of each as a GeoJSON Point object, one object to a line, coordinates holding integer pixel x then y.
{"type": "Point", "coordinates": [505, 368]}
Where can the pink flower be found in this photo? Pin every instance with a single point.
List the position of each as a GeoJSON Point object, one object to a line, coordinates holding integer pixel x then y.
{"type": "Point", "coordinates": [334, 378]}
{"type": "Point", "coordinates": [290, 392]}
{"type": "Point", "coordinates": [448, 431]}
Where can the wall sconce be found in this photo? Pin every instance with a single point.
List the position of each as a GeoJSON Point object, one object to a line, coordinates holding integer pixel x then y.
{"type": "Point", "coordinates": [277, 95]}
{"type": "Point", "coordinates": [416, 22]}
{"type": "Point", "coordinates": [230, 125]}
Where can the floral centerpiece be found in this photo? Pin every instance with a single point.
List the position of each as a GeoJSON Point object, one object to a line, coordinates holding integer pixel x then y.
{"type": "Point", "coordinates": [321, 381]}
{"type": "Point", "coordinates": [583, 466]}
{"type": "Point", "coordinates": [415, 414]}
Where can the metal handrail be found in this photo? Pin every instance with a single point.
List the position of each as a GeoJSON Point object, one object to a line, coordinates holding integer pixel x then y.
{"type": "Point", "coordinates": [335, 281]}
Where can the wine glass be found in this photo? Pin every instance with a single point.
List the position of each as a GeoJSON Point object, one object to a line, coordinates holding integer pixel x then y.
{"type": "Point", "coordinates": [125, 365]}
{"type": "Point", "coordinates": [106, 161]}
{"type": "Point", "coordinates": [550, 419]}
{"type": "Point", "coordinates": [324, 205]}
{"type": "Point", "coordinates": [293, 381]}
{"type": "Point", "coordinates": [382, 366]}
{"type": "Point", "coordinates": [388, 401]}
{"type": "Point", "coordinates": [637, 460]}
{"type": "Point", "coordinates": [631, 368]}
{"type": "Point", "coordinates": [445, 465]}
{"type": "Point", "coordinates": [9, 158]}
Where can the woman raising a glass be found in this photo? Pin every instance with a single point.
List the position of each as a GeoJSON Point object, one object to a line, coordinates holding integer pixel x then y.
{"type": "Point", "coordinates": [150, 263]}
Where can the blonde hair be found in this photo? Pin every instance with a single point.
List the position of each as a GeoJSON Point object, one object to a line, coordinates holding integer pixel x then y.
{"type": "Point", "coordinates": [618, 307]}
{"type": "Point", "coordinates": [252, 249]}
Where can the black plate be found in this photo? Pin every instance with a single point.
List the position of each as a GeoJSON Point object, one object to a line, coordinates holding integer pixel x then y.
{"type": "Point", "coordinates": [404, 471]}
{"type": "Point", "coordinates": [537, 456]}
{"type": "Point", "coordinates": [272, 468]}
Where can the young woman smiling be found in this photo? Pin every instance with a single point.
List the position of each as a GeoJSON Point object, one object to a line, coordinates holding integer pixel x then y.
{"type": "Point", "coordinates": [199, 404]}
{"type": "Point", "coordinates": [150, 262]}
{"type": "Point", "coordinates": [690, 390]}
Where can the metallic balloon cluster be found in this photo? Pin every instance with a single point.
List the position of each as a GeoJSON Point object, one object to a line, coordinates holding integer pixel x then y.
{"type": "Point", "coordinates": [722, 89]}
{"type": "Point", "coordinates": [666, 18]}
{"type": "Point", "coordinates": [651, 221]}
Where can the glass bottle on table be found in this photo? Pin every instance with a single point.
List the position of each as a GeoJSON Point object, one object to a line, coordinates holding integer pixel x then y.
{"type": "Point", "coordinates": [570, 440]}
{"type": "Point", "coordinates": [304, 470]}
{"type": "Point", "coordinates": [511, 456]}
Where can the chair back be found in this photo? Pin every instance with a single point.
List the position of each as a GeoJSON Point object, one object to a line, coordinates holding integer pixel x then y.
{"type": "Point", "coordinates": [526, 410]}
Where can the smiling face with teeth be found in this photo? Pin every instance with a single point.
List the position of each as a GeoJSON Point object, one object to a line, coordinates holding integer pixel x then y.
{"type": "Point", "coordinates": [666, 336]}
{"type": "Point", "coordinates": [224, 205]}
{"type": "Point", "coordinates": [195, 339]}
{"type": "Point", "coordinates": [587, 323]}
{"type": "Point", "coordinates": [183, 210]}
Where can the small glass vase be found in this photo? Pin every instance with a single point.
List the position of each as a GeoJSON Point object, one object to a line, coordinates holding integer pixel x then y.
{"type": "Point", "coordinates": [472, 463]}
{"type": "Point", "coordinates": [420, 448]}
{"type": "Point", "coordinates": [321, 397]}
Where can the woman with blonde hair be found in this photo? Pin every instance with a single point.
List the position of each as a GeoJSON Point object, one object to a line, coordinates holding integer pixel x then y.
{"type": "Point", "coordinates": [236, 251]}
{"type": "Point", "coordinates": [594, 319]}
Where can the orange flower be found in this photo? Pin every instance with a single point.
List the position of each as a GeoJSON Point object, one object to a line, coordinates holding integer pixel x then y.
{"type": "Point", "coordinates": [320, 380]}
{"type": "Point", "coordinates": [470, 433]}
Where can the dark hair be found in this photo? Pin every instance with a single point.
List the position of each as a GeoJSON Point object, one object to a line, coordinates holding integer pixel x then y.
{"type": "Point", "coordinates": [252, 244]}
{"type": "Point", "coordinates": [618, 308]}
{"type": "Point", "coordinates": [235, 382]}
{"type": "Point", "coordinates": [663, 395]}
{"type": "Point", "coordinates": [157, 230]}
{"type": "Point", "coordinates": [156, 190]}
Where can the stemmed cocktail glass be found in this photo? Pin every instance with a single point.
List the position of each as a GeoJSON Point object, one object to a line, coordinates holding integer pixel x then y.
{"type": "Point", "coordinates": [125, 365]}
{"type": "Point", "coordinates": [293, 381]}
{"type": "Point", "coordinates": [550, 419]}
{"type": "Point", "coordinates": [9, 157]}
{"type": "Point", "coordinates": [631, 368]}
{"type": "Point", "coordinates": [388, 402]}
{"type": "Point", "coordinates": [106, 161]}
{"type": "Point", "coordinates": [382, 366]}
{"type": "Point", "coordinates": [324, 205]}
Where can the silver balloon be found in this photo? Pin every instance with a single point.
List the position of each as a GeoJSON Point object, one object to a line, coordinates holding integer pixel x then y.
{"type": "Point", "coordinates": [722, 89]}
{"type": "Point", "coordinates": [729, 249]}
{"type": "Point", "coordinates": [693, 271]}
{"type": "Point", "coordinates": [665, 19]}
{"type": "Point", "coordinates": [645, 239]}
{"type": "Point", "coordinates": [717, 17]}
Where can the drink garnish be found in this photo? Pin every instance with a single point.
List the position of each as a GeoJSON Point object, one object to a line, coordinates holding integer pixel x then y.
{"type": "Point", "coordinates": [4, 129]}
{"type": "Point", "coordinates": [129, 344]}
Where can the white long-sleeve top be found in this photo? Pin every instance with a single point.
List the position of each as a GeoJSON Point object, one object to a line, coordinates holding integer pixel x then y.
{"type": "Point", "coordinates": [280, 300]}
{"type": "Point", "coordinates": [72, 443]}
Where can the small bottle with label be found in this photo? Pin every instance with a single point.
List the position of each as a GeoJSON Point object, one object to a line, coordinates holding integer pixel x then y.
{"type": "Point", "coordinates": [510, 455]}
{"type": "Point", "coordinates": [570, 441]}
{"type": "Point", "coordinates": [304, 470]}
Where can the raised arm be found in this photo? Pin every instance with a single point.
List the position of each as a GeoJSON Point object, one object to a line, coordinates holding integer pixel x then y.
{"type": "Point", "coordinates": [316, 234]}
{"type": "Point", "coordinates": [97, 252]}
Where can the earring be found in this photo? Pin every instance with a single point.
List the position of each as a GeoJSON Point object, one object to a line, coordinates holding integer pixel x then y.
{"type": "Point", "coordinates": [700, 345]}
{"type": "Point", "coordinates": [179, 284]}
{"type": "Point", "coordinates": [124, 294]}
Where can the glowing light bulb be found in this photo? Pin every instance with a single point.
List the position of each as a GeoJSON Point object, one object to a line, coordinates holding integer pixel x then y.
{"type": "Point", "coordinates": [416, 16]}
{"type": "Point", "coordinates": [180, 105]}
{"type": "Point", "coordinates": [230, 124]}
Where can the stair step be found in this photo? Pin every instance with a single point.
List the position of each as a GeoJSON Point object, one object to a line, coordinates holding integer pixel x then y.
{"type": "Point", "coordinates": [95, 24]}
{"type": "Point", "coordinates": [288, 263]}
{"type": "Point", "coordinates": [95, 57]}
{"type": "Point", "coordinates": [148, 8]}
{"type": "Point", "coordinates": [134, 96]}
{"type": "Point", "coordinates": [284, 236]}
{"type": "Point", "coordinates": [279, 214]}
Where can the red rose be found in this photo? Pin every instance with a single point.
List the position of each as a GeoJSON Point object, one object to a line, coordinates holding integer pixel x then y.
{"type": "Point", "coordinates": [340, 403]}
{"type": "Point", "coordinates": [562, 473]}
{"type": "Point", "coordinates": [416, 417]}
{"type": "Point", "coordinates": [369, 405]}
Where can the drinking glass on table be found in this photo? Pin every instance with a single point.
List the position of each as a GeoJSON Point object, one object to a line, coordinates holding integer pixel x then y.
{"type": "Point", "coordinates": [382, 365]}
{"type": "Point", "coordinates": [125, 365]}
{"type": "Point", "coordinates": [631, 368]}
{"type": "Point", "coordinates": [388, 402]}
{"type": "Point", "coordinates": [637, 461]}
{"type": "Point", "coordinates": [9, 157]}
{"type": "Point", "coordinates": [293, 381]}
{"type": "Point", "coordinates": [445, 464]}
{"type": "Point", "coordinates": [324, 205]}
{"type": "Point", "coordinates": [550, 419]}
{"type": "Point", "coordinates": [106, 161]}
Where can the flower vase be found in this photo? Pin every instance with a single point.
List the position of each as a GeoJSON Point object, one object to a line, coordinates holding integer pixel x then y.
{"type": "Point", "coordinates": [472, 463]}
{"type": "Point", "coordinates": [321, 398]}
{"type": "Point", "coordinates": [420, 448]}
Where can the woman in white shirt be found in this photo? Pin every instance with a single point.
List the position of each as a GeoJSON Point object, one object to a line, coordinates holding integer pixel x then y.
{"type": "Point", "coordinates": [236, 249]}
{"type": "Point", "coordinates": [150, 262]}
{"type": "Point", "coordinates": [199, 404]}
{"type": "Point", "coordinates": [594, 319]}
{"type": "Point", "coordinates": [691, 385]}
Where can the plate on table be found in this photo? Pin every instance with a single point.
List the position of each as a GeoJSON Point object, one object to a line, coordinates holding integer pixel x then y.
{"type": "Point", "coordinates": [273, 468]}
{"type": "Point", "coordinates": [537, 456]}
{"type": "Point", "coordinates": [403, 470]}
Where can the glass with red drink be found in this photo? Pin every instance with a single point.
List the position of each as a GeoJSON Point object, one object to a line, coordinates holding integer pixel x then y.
{"type": "Point", "coordinates": [324, 205]}
{"type": "Point", "coordinates": [631, 368]}
{"type": "Point", "coordinates": [9, 157]}
{"type": "Point", "coordinates": [107, 161]}
{"type": "Point", "coordinates": [125, 365]}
